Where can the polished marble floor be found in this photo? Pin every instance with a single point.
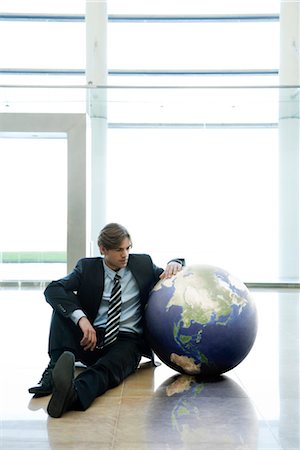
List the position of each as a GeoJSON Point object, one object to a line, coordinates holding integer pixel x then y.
{"type": "Point", "coordinates": [254, 406]}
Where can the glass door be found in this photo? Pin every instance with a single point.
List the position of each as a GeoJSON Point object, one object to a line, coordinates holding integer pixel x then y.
{"type": "Point", "coordinates": [33, 226]}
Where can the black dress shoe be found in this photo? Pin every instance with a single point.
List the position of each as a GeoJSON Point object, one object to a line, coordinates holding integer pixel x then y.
{"type": "Point", "coordinates": [64, 394]}
{"type": "Point", "coordinates": [45, 385]}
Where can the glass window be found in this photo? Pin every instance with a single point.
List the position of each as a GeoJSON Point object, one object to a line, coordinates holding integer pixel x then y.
{"type": "Point", "coordinates": [192, 7]}
{"type": "Point", "coordinates": [45, 79]}
{"type": "Point", "coordinates": [184, 46]}
{"type": "Point", "coordinates": [193, 106]}
{"type": "Point", "coordinates": [43, 99]}
{"type": "Point", "coordinates": [117, 78]}
{"type": "Point", "coordinates": [192, 162]}
{"type": "Point", "coordinates": [42, 45]}
{"type": "Point", "coordinates": [45, 7]}
{"type": "Point", "coordinates": [33, 227]}
{"type": "Point", "coordinates": [201, 194]}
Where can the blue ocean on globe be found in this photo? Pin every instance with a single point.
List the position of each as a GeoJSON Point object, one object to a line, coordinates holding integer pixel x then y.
{"type": "Point", "coordinates": [201, 321]}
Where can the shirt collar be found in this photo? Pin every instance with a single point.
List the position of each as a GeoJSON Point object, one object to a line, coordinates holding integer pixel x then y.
{"type": "Point", "coordinates": [112, 273]}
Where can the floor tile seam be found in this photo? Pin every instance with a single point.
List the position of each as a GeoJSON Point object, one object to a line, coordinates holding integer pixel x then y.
{"type": "Point", "coordinates": [116, 426]}
{"type": "Point", "coordinates": [137, 396]}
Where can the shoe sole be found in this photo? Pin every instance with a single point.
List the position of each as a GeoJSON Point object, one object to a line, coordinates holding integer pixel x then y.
{"type": "Point", "coordinates": [39, 393]}
{"type": "Point", "coordinates": [62, 376]}
{"type": "Point", "coordinates": [44, 394]}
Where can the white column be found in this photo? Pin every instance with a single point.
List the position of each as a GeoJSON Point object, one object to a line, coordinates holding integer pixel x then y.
{"type": "Point", "coordinates": [96, 78]}
{"type": "Point", "coordinates": [289, 142]}
{"type": "Point", "coordinates": [289, 208]}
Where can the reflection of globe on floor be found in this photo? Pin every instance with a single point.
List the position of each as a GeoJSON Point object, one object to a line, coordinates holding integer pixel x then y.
{"type": "Point", "coordinates": [186, 413]}
{"type": "Point", "coordinates": [202, 321]}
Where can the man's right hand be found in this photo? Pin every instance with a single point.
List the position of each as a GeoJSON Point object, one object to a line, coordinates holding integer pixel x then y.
{"type": "Point", "coordinates": [89, 338]}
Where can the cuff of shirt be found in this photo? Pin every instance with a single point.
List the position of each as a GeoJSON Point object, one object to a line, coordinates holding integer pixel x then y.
{"type": "Point", "coordinates": [76, 315]}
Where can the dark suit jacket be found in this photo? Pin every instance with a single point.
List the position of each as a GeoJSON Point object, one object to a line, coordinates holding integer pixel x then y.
{"type": "Point", "coordinates": [83, 287]}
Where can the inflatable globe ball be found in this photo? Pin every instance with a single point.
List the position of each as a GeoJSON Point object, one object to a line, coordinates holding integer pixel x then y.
{"type": "Point", "coordinates": [202, 321]}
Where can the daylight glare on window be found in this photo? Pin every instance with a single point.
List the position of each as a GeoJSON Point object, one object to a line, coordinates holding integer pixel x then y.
{"type": "Point", "coordinates": [192, 110]}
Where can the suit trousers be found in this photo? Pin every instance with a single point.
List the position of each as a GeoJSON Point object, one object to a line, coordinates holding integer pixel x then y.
{"type": "Point", "coordinates": [106, 368]}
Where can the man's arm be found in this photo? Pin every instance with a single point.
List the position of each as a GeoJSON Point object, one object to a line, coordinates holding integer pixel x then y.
{"type": "Point", "coordinates": [61, 295]}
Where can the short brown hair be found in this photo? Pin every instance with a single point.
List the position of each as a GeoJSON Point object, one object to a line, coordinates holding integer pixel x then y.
{"type": "Point", "coordinates": [112, 235]}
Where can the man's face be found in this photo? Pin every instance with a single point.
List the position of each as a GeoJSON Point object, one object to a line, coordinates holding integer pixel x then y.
{"type": "Point", "coordinates": [118, 257]}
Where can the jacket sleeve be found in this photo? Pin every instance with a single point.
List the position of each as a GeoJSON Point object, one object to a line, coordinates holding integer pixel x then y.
{"type": "Point", "coordinates": [61, 294]}
{"type": "Point", "coordinates": [179, 260]}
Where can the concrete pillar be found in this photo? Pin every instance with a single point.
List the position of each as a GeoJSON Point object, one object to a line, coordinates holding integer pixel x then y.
{"type": "Point", "coordinates": [289, 142]}
{"type": "Point", "coordinates": [76, 242]}
{"type": "Point", "coordinates": [289, 216]}
{"type": "Point", "coordinates": [96, 79]}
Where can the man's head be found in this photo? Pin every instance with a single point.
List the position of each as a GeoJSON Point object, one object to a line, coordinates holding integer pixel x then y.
{"type": "Point", "coordinates": [114, 243]}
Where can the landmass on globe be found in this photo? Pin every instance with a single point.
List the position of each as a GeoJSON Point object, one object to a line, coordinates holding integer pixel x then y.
{"type": "Point", "coordinates": [197, 296]}
{"type": "Point", "coordinates": [187, 363]}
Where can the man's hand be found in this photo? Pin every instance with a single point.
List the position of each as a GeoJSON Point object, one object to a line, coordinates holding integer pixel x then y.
{"type": "Point", "coordinates": [172, 269]}
{"type": "Point", "coordinates": [89, 339]}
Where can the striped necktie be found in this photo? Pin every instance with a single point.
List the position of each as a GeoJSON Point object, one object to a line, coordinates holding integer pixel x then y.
{"type": "Point", "coordinates": [114, 313]}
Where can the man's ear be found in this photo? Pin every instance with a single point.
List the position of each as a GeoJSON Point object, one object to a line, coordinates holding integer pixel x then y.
{"type": "Point", "coordinates": [102, 249]}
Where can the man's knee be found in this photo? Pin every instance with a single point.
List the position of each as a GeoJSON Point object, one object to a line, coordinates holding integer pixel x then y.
{"type": "Point", "coordinates": [63, 333]}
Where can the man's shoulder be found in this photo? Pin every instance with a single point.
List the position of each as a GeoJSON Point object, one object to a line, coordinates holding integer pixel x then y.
{"type": "Point", "coordinates": [90, 261]}
{"type": "Point", "coordinates": [139, 256]}
{"type": "Point", "coordinates": [140, 261]}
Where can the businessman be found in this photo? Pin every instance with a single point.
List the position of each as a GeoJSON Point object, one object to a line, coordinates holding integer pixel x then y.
{"type": "Point", "coordinates": [98, 313]}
